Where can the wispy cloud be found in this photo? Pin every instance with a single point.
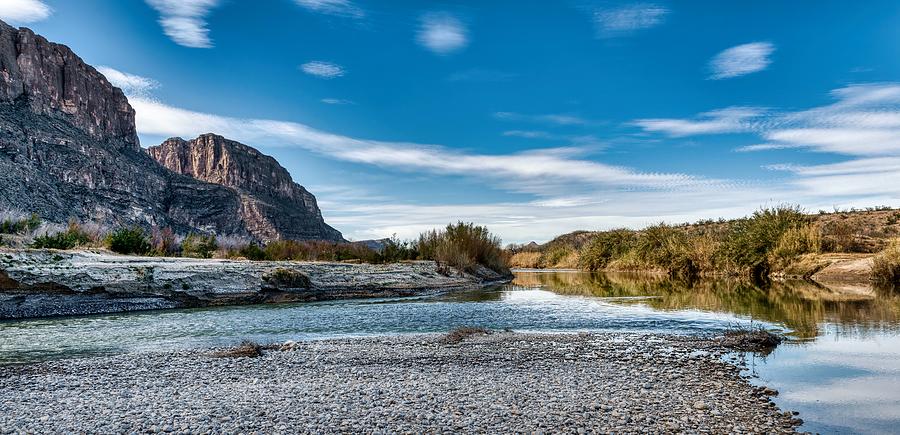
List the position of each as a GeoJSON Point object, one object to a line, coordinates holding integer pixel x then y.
{"type": "Point", "coordinates": [626, 20]}
{"type": "Point", "coordinates": [729, 120]}
{"type": "Point", "coordinates": [741, 60]}
{"type": "Point", "coordinates": [325, 70]}
{"type": "Point", "coordinates": [24, 11]}
{"type": "Point", "coordinates": [129, 83]}
{"type": "Point", "coordinates": [343, 8]}
{"type": "Point", "coordinates": [185, 20]}
{"type": "Point", "coordinates": [551, 118]}
{"type": "Point", "coordinates": [336, 101]}
{"type": "Point", "coordinates": [442, 33]}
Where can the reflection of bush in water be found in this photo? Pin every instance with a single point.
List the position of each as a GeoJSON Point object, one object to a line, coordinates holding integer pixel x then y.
{"type": "Point", "coordinates": [801, 306]}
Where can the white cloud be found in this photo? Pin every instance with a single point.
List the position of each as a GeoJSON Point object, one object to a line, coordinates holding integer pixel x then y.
{"type": "Point", "coordinates": [325, 70]}
{"type": "Point", "coordinates": [626, 20]}
{"type": "Point", "coordinates": [184, 20]}
{"type": "Point", "coordinates": [552, 118]}
{"type": "Point", "coordinates": [24, 11]}
{"type": "Point", "coordinates": [129, 83]}
{"type": "Point", "coordinates": [728, 120]}
{"type": "Point", "coordinates": [741, 60]}
{"type": "Point", "coordinates": [336, 101]}
{"type": "Point", "coordinates": [563, 190]}
{"type": "Point", "coordinates": [344, 8]}
{"type": "Point", "coordinates": [442, 33]}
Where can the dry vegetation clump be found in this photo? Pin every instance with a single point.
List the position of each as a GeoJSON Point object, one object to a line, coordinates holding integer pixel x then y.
{"type": "Point", "coordinates": [751, 340]}
{"type": "Point", "coordinates": [247, 349]}
{"type": "Point", "coordinates": [525, 260]}
{"type": "Point", "coordinates": [886, 266]}
{"type": "Point", "coordinates": [464, 246]}
{"type": "Point", "coordinates": [459, 334]}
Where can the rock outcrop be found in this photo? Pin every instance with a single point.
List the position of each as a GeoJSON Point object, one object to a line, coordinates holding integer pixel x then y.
{"type": "Point", "coordinates": [35, 283]}
{"type": "Point", "coordinates": [273, 206]}
{"type": "Point", "coordinates": [69, 149]}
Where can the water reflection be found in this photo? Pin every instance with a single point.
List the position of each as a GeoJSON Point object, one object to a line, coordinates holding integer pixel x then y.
{"type": "Point", "coordinates": [802, 306]}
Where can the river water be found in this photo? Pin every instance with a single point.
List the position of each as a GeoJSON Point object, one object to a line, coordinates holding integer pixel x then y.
{"type": "Point", "coordinates": [841, 368]}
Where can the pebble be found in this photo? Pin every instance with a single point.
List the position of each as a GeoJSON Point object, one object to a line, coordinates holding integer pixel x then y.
{"type": "Point", "coordinates": [496, 383]}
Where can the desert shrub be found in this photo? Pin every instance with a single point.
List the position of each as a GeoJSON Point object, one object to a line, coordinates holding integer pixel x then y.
{"type": "Point", "coordinates": [605, 247]}
{"type": "Point", "coordinates": [163, 241]}
{"type": "Point", "coordinates": [796, 241]}
{"type": "Point", "coordinates": [665, 247]}
{"type": "Point", "coordinates": [128, 240]}
{"type": "Point", "coordinates": [72, 237]}
{"type": "Point", "coordinates": [199, 245]}
{"type": "Point", "coordinates": [752, 239]}
{"type": "Point", "coordinates": [252, 252]}
{"type": "Point", "coordinates": [13, 223]}
{"type": "Point", "coordinates": [398, 250]}
{"type": "Point", "coordinates": [526, 260]}
{"type": "Point", "coordinates": [886, 265]}
{"type": "Point", "coordinates": [841, 236]}
{"type": "Point", "coordinates": [556, 255]}
{"type": "Point", "coordinates": [317, 250]}
{"type": "Point", "coordinates": [463, 245]}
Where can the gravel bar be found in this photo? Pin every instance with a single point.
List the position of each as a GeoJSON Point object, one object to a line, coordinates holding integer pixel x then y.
{"type": "Point", "coordinates": [503, 382]}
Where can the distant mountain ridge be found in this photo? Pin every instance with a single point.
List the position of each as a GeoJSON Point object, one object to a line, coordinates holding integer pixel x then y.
{"type": "Point", "coordinates": [69, 149]}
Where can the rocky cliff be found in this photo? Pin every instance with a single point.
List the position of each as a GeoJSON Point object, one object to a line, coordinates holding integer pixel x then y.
{"type": "Point", "coordinates": [273, 206]}
{"type": "Point", "coordinates": [69, 149]}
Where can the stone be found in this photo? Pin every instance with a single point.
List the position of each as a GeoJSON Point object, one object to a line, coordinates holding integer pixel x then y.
{"type": "Point", "coordinates": [700, 405]}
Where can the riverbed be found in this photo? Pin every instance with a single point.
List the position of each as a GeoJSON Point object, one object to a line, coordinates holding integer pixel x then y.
{"type": "Point", "coordinates": [841, 368]}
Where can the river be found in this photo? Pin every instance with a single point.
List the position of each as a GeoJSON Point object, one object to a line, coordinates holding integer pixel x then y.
{"type": "Point", "coordinates": [840, 368]}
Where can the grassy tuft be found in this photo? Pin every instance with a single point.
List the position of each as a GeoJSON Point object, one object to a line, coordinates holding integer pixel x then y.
{"type": "Point", "coordinates": [464, 246]}
{"type": "Point", "coordinates": [886, 266]}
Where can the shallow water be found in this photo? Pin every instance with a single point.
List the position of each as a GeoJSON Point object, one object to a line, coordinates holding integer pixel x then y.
{"type": "Point", "coordinates": [841, 370]}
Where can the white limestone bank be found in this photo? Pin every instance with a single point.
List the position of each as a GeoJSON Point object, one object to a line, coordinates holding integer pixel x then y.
{"type": "Point", "coordinates": [37, 283]}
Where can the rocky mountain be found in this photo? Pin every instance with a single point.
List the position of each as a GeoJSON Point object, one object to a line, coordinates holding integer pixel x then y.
{"type": "Point", "coordinates": [69, 149]}
{"type": "Point", "coordinates": [273, 206]}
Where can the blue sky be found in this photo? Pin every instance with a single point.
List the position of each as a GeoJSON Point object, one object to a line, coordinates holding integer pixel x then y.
{"type": "Point", "coordinates": [533, 118]}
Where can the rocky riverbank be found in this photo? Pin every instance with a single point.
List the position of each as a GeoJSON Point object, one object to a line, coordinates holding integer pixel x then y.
{"type": "Point", "coordinates": [35, 283]}
{"type": "Point", "coordinates": [497, 383]}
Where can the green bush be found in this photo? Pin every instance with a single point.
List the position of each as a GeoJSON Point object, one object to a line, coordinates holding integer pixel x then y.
{"type": "Point", "coordinates": [72, 237]}
{"type": "Point", "coordinates": [751, 240]}
{"type": "Point", "coordinates": [253, 252]}
{"type": "Point", "coordinates": [606, 247]}
{"type": "Point", "coordinates": [463, 246]}
{"type": "Point", "coordinates": [130, 240]}
{"type": "Point", "coordinates": [17, 226]}
{"type": "Point", "coordinates": [200, 246]}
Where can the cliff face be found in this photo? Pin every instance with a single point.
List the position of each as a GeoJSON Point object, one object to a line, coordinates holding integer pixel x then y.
{"type": "Point", "coordinates": [69, 149]}
{"type": "Point", "coordinates": [273, 206]}
{"type": "Point", "coordinates": [57, 83]}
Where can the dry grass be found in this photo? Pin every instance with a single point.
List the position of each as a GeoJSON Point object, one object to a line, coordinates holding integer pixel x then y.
{"type": "Point", "coordinates": [525, 260]}
{"type": "Point", "coordinates": [459, 334]}
{"type": "Point", "coordinates": [886, 266]}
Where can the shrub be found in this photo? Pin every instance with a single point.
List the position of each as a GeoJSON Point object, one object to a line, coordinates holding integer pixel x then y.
{"type": "Point", "coordinates": [605, 247]}
{"type": "Point", "coordinates": [200, 246]}
{"type": "Point", "coordinates": [665, 247]}
{"type": "Point", "coordinates": [72, 237]}
{"type": "Point", "coordinates": [464, 245]}
{"type": "Point", "coordinates": [252, 252]}
{"type": "Point", "coordinates": [397, 250]}
{"type": "Point", "coordinates": [12, 224]}
{"type": "Point", "coordinates": [163, 241]}
{"type": "Point", "coordinates": [796, 241]}
{"type": "Point", "coordinates": [130, 240]}
{"type": "Point", "coordinates": [886, 266]}
{"type": "Point", "coordinates": [526, 260]}
{"type": "Point", "coordinates": [751, 240]}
